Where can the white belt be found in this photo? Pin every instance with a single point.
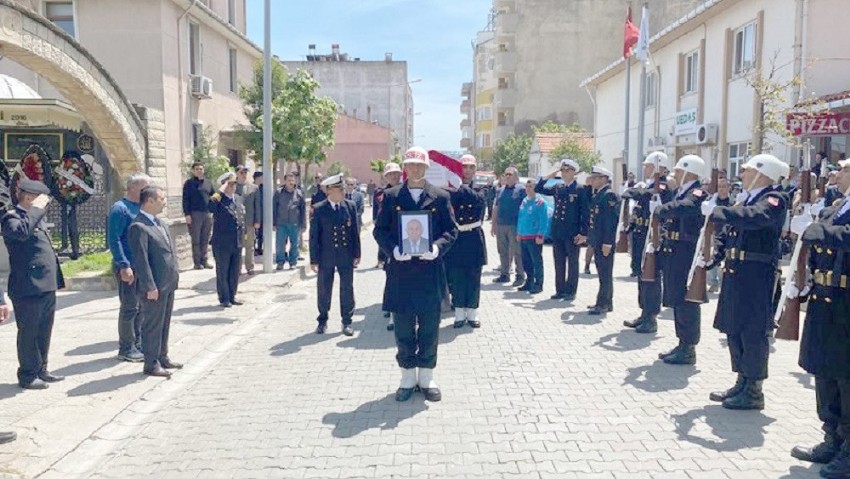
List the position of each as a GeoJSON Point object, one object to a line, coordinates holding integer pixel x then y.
{"type": "Point", "coordinates": [469, 227]}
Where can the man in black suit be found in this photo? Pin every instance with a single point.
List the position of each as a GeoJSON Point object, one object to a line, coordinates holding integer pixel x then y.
{"type": "Point", "coordinates": [416, 286]}
{"type": "Point", "coordinates": [33, 280]}
{"type": "Point", "coordinates": [335, 247]}
{"type": "Point", "coordinates": [227, 238]}
{"type": "Point", "coordinates": [601, 236]}
{"type": "Point", "coordinates": [157, 274]}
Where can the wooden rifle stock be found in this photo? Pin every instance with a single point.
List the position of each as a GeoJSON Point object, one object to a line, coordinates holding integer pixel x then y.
{"type": "Point", "coordinates": [789, 323]}
{"type": "Point", "coordinates": [623, 239]}
{"type": "Point", "coordinates": [698, 289]}
{"type": "Point", "coordinates": [647, 273]}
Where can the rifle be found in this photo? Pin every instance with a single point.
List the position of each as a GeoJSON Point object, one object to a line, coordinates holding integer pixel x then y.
{"type": "Point", "coordinates": [623, 238]}
{"type": "Point", "coordinates": [787, 315]}
{"type": "Point", "coordinates": [697, 277]}
{"type": "Point", "coordinates": [653, 242]}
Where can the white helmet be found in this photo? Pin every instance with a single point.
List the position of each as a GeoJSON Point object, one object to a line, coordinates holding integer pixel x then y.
{"type": "Point", "coordinates": [391, 168]}
{"type": "Point", "coordinates": [468, 160]}
{"type": "Point", "coordinates": [693, 164]}
{"type": "Point", "coordinates": [769, 166]}
{"type": "Point", "coordinates": [417, 154]}
{"type": "Point", "coordinates": [659, 156]}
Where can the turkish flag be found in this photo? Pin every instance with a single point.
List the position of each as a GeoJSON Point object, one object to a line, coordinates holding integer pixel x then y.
{"type": "Point", "coordinates": [630, 37]}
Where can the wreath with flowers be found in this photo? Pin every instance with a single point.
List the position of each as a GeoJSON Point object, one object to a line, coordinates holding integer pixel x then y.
{"type": "Point", "coordinates": [33, 166]}
{"type": "Point", "coordinates": [73, 183]}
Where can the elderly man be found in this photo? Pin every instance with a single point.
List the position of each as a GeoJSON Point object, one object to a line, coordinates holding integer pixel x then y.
{"type": "Point", "coordinates": [123, 212]}
{"type": "Point", "coordinates": [253, 213]}
{"type": "Point", "coordinates": [353, 194]}
{"type": "Point", "coordinates": [506, 211]}
{"type": "Point", "coordinates": [227, 237]}
{"type": "Point", "coordinates": [290, 219]}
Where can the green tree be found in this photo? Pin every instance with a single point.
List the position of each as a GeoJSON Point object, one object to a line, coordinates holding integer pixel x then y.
{"type": "Point", "coordinates": [552, 127]}
{"type": "Point", "coordinates": [378, 165]}
{"type": "Point", "coordinates": [574, 149]}
{"type": "Point", "coordinates": [337, 168]}
{"type": "Point", "coordinates": [205, 153]}
{"type": "Point", "coordinates": [512, 151]}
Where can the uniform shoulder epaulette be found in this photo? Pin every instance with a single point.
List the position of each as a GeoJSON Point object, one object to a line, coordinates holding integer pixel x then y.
{"type": "Point", "coordinates": [320, 204]}
{"type": "Point", "coordinates": [775, 199]}
{"type": "Point", "coordinates": [698, 192]}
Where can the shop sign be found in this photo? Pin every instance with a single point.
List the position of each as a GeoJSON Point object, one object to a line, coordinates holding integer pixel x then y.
{"type": "Point", "coordinates": [821, 124]}
{"type": "Point", "coordinates": [686, 122]}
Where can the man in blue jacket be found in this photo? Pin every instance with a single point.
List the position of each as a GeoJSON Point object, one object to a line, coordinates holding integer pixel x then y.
{"type": "Point", "coordinates": [532, 222]}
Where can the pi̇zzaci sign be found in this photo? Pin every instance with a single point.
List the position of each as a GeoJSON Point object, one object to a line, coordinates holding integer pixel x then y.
{"type": "Point", "coordinates": [821, 124]}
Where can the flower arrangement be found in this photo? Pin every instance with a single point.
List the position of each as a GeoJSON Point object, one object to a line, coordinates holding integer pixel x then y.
{"type": "Point", "coordinates": [73, 182]}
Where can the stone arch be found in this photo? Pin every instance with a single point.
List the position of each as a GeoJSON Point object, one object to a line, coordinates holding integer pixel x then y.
{"type": "Point", "coordinates": [36, 43]}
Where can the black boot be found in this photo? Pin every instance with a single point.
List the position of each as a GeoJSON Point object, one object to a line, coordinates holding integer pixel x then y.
{"type": "Point", "coordinates": [750, 397]}
{"type": "Point", "coordinates": [637, 322]}
{"type": "Point", "coordinates": [719, 396]}
{"type": "Point", "coordinates": [821, 453]}
{"type": "Point", "coordinates": [647, 327]}
{"type": "Point", "coordinates": [687, 354]}
{"type": "Point", "coordinates": [839, 466]}
{"type": "Point", "coordinates": [671, 352]}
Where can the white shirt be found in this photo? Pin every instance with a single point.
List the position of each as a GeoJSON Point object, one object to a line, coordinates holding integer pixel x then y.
{"type": "Point", "coordinates": [156, 223]}
{"type": "Point", "coordinates": [752, 194]}
{"type": "Point", "coordinates": [845, 206]}
{"type": "Point", "coordinates": [684, 189]}
{"type": "Point", "coordinates": [416, 193]}
{"type": "Point", "coordinates": [334, 205]}
{"type": "Point", "coordinates": [414, 247]}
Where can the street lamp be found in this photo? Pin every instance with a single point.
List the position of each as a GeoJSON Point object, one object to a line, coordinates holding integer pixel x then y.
{"type": "Point", "coordinates": [268, 191]}
{"type": "Point", "coordinates": [405, 139]}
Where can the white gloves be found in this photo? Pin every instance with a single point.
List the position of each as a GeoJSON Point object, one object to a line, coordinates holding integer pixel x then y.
{"type": "Point", "coordinates": [818, 207]}
{"type": "Point", "coordinates": [400, 257]}
{"type": "Point", "coordinates": [649, 248]}
{"type": "Point", "coordinates": [708, 206]}
{"type": "Point", "coordinates": [701, 262]}
{"type": "Point", "coordinates": [794, 291]}
{"type": "Point", "coordinates": [802, 221]}
{"type": "Point", "coordinates": [431, 255]}
{"type": "Point", "coordinates": [654, 203]}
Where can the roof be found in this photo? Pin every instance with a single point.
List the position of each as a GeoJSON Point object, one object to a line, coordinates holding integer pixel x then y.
{"type": "Point", "coordinates": [660, 39]}
{"type": "Point", "coordinates": [14, 89]}
{"type": "Point", "coordinates": [832, 100]}
{"type": "Point", "coordinates": [546, 142]}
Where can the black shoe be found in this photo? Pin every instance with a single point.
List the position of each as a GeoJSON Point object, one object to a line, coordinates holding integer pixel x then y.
{"type": "Point", "coordinates": [225, 305]}
{"type": "Point", "coordinates": [524, 287]}
{"type": "Point", "coordinates": [235, 302]}
{"type": "Point", "coordinates": [432, 394]}
{"type": "Point", "coordinates": [50, 378]}
{"type": "Point", "coordinates": [557, 296]}
{"type": "Point", "coordinates": [459, 324]}
{"type": "Point", "coordinates": [197, 266]}
{"type": "Point", "coordinates": [249, 272]}
{"type": "Point", "coordinates": [157, 372]}
{"type": "Point", "coordinates": [669, 353]}
{"type": "Point", "coordinates": [207, 266]}
{"type": "Point", "coordinates": [279, 267]}
{"type": "Point", "coordinates": [347, 330]}
{"type": "Point", "coordinates": [35, 384]}
{"type": "Point", "coordinates": [750, 397]}
{"type": "Point", "coordinates": [720, 396]}
{"type": "Point", "coordinates": [535, 290]}
{"type": "Point", "coordinates": [390, 325]}
{"type": "Point", "coordinates": [169, 364]}
{"type": "Point", "coordinates": [403, 394]}
{"type": "Point", "coordinates": [501, 279]}
{"type": "Point", "coordinates": [648, 326]}
{"type": "Point", "coordinates": [474, 323]}
{"type": "Point", "coordinates": [520, 280]}
{"type": "Point", "coordinates": [687, 354]}
{"type": "Point", "coordinates": [7, 437]}
{"type": "Point", "coordinates": [821, 453]}
{"type": "Point", "coordinates": [587, 271]}
{"type": "Point", "coordinates": [597, 311]}
{"type": "Point", "coordinates": [635, 274]}
{"type": "Point", "coordinates": [839, 466]}
{"type": "Point", "coordinates": [633, 324]}
{"type": "Point", "coordinates": [569, 297]}
{"type": "Point", "coordinates": [321, 328]}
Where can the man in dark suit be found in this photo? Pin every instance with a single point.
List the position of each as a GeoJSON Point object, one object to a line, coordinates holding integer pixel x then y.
{"type": "Point", "coordinates": [33, 280]}
{"type": "Point", "coordinates": [416, 286]}
{"type": "Point", "coordinates": [353, 194]}
{"type": "Point", "coordinates": [196, 197]}
{"type": "Point", "coordinates": [253, 211]}
{"type": "Point", "coordinates": [157, 275]}
{"type": "Point", "coordinates": [335, 247]}
{"type": "Point", "coordinates": [5, 436]}
{"type": "Point", "coordinates": [569, 227]}
{"type": "Point", "coordinates": [602, 232]}
{"type": "Point", "coordinates": [227, 238]}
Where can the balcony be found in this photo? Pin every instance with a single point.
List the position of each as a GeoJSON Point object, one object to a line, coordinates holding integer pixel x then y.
{"type": "Point", "coordinates": [506, 97]}
{"type": "Point", "coordinates": [464, 106]}
{"type": "Point", "coordinates": [506, 23]}
{"type": "Point", "coordinates": [466, 89]}
{"type": "Point", "coordinates": [465, 123]}
{"type": "Point", "coordinates": [505, 62]}
{"type": "Point", "coordinates": [466, 143]}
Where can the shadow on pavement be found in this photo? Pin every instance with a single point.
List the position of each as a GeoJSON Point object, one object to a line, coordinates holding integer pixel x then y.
{"type": "Point", "coordinates": [659, 377]}
{"type": "Point", "coordinates": [207, 321]}
{"type": "Point", "coordinates": [543, 305]}
{"type": "Point", "coordinates": [9, 390]}
{"type": "Point", "coordinates": [798, 472]}
{"type": "Point", "coordinates": [626, 340]}
{"type": "Point", "coordinates": [87, 367]}
{"type": "Point", "coordinates": [384, 414]}
{"type": "Point", "coordinates": [736, 430]}
{"type": "Point", "coordinates": [71, 299]}
{"type": "Point", "coordinates": [107, 384]}
{"type": "Point", "coordinates": [94, 348]}
{"type": "Point", "coordinates": [295, 345]}
{"type": "Point", "coordinates": [805, 379]}
{"type": "Point", "coordinates": [196, 309]}
{"type": "Point", "coordinates": [583, 319]}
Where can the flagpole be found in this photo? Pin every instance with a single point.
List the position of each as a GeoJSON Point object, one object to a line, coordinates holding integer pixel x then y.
{"type": "Point", "coordinates": [643, 45]}
{"type": "Point", "coordinates": [626, 158]}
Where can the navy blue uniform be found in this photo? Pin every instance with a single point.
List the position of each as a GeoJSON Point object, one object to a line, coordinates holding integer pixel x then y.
{"type": "Point", "coordinates": [571, 218]}
{"type": "Point", "coordinates": [745, 308]}
{"type": "Point", "coordinates": [602, 230]}
{"type": "Point", "coordinates": [469, 253]}
{"type": "Point", "coordinates": [334, 246]}
{"type": "Point", "coordinates": [228, 232]}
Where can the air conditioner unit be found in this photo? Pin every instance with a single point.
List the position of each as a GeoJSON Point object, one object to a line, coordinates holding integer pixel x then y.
{"type": "Point", "coordinates": [706, 134]}
{"type": "Point", "coordinates": [201, 87]}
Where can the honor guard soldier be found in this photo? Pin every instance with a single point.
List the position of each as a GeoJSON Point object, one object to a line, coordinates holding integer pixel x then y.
{"type": "Point", "coordinates": [681, 224]}
{"type": "Point", "coordinates": [602, 231]}
{"type": "Point", "coordinates": [335, 247]}
{"type": "Point", "coordinates": [569, 226]}
{"type": "Point", "coordinates": [468, 255]}
{"type": "Point", "coordinates": [751, 231]}
{"type": "Point", "coordinates": [416, 285]}
{"type": "Point", "coordinates": [825, 345]}
{"type": "Point", "coordinates": [392, 174]}
{"type": "Point", "coordinates": [34, 277]}
{"type": "Point", "coordinates": [647, 197]}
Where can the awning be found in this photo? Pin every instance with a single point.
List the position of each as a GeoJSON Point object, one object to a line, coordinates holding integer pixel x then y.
{"type": "Point", "coordinates": [26, 113]}
{"type": "Point", "coordinates": [831, 101]}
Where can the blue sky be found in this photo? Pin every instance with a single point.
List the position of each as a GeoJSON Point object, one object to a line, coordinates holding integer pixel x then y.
{"type": "Point", "coordinates": [433, 36]}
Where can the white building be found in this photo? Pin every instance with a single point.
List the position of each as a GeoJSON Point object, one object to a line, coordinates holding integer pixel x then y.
{"type": "Point", "coordinates": [540, 161]}
{"type": "Point", "coordinates": [698, 97]}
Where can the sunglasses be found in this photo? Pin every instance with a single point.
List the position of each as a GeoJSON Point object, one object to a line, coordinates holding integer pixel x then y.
{"type": "Point", "coordinates": [509, 174]}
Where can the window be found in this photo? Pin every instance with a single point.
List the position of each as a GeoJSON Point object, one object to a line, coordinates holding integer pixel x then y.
{"type": "Point", "coordinates": [231, 12]}
{"type": "Point", "coordinates": [652, 90]}
{"type": "Point", "coordinates": [483, 140]}
{"type": "Point", "coordinates": [194, 49]}
{"type": "Point", "coordinates": [745, 48]}
{"type": "Point", "coordinates": [62, 15]}
{"type": "Point", "coordinates": [484, 113]}
{"type": "Point", "coordinates": [691, 73]}
{"type": "Point", "coordinates": [738, 153]}
{"type": "Point", "coordinates": [503, 119]}
{"type": "Point", "coordinates": [232, 55]}
{"type": "Point", "coordinates": [503, 83]}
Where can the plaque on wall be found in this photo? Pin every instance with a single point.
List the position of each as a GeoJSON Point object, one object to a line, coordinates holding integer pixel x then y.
{"type": "Point", "coordinates": [85, 143]}
{"type": "Point", "coordinates": [15, 145]}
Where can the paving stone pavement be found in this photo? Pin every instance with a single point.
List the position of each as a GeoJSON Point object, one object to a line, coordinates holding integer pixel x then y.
{"type": "Point", "coordinates": [541, 390]}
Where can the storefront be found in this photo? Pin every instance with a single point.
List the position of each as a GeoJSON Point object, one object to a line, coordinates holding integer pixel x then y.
{"type": "Point", "coordinates": [828, 126]}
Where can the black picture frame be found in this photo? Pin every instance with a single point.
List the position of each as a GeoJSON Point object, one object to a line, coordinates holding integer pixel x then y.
{"type": "Point", "coordinates": [423, 218]}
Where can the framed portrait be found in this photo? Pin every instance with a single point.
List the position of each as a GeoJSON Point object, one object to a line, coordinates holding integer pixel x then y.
{"type": "Point", "coordinates": [415, 235]}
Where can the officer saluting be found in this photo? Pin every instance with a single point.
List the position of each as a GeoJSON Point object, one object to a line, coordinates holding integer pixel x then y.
{"type": "Point", "coordinates": [416, 286]}
{"type": "Point", "coordinates": [604, 212]}
{"type": "Point", "coordinates": [569, 227]}
{"type": "Point", "coordinates": [335, 247]}
{"type": "Point", "coordinates": [469, 253]}
{"type": "Point", "coordinates": [825, 345]}
{"type": "Point", "coordinates": [33, 280]}
{"type": "Point", "coordinates": [744, 310]}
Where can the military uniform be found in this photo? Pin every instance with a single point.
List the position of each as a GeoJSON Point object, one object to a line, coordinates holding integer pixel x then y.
{"type": "Point", "coordinates": [681, 223]}
{"type": "Point", "coordinates": [570, 219]}
{"type": "Point", "coordinates": [602, 230]}
{"type": "Point", "coordinates": [334, 247]}
{"type": "Point", "coordinates": [750, 242]}
{"type": "Point", "coordinates": [34, 277]}
{"type": "Point", "coordinates": [228, 237]}
{"type": "Point", "coordinates": [468, 255]}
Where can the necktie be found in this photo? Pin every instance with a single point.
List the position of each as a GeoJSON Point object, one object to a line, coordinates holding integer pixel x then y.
{"type": "Point", "coordinates": [161, 229]}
